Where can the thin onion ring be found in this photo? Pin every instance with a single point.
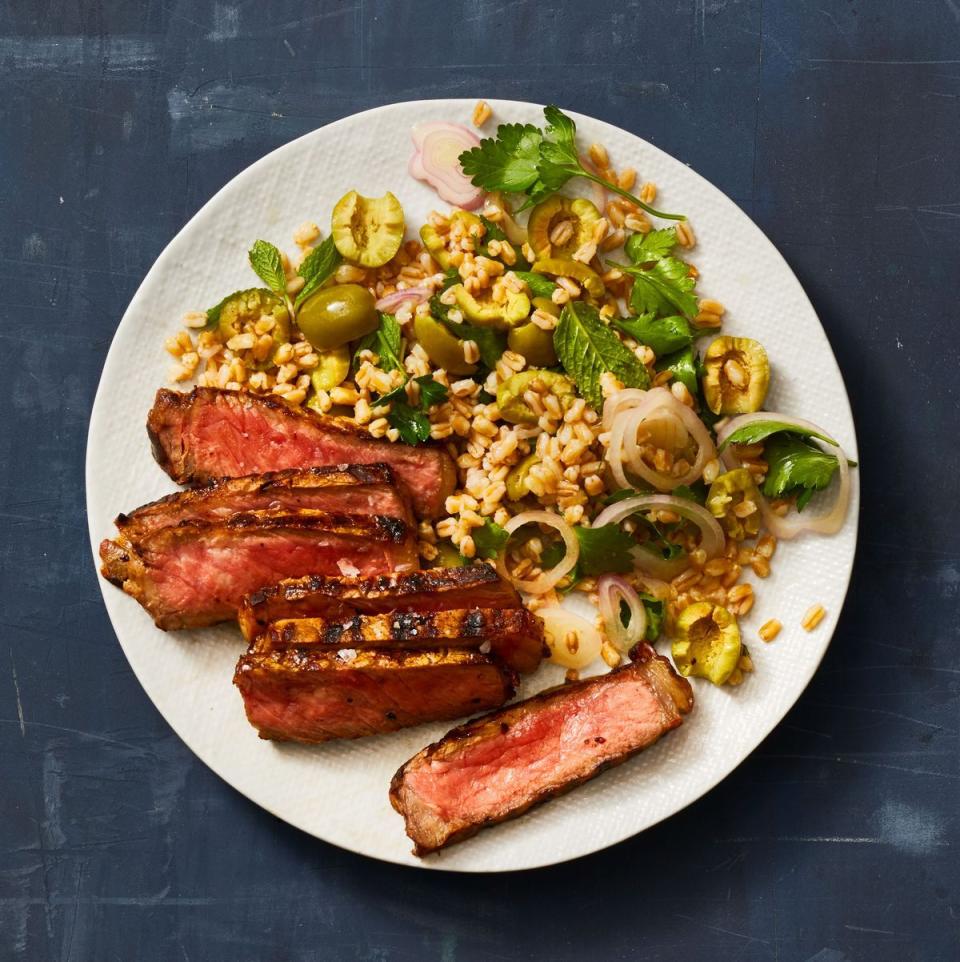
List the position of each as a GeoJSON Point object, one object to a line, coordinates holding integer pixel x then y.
{"type": "Point", "coordinates": [829, 522]}
{"type": "Point", "coordinates": [547, 579]}
{"type": "Point", "coordinates": [416, 295]}
{"type": "Point", "coordinates": [612, 589]}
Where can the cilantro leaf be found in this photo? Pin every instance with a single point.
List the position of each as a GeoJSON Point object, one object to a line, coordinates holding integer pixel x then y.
{"type": "Point", "coordinates": [603, 550]}
{"type": "Point", "coordinates": [386, 342]}
{"type": "Point", "coordinates": [317, 267]}
{"type": "Point", "coordinates": [663, 288]}
{"type": "Point", "coordinates": [796, 466]}
{"type": "Point", "coordinates": [587, 348]}
{"type": "Point", "coordinates": [684, 367]}
{"type": "Point", "coordinates": [643, 248]}
{"type": "Point", "coordinates": [761, 430]}
{"type": "Point", "coordinates": [663, 334]}
{"type": "Point", "coordinates": [508, 162]}
{"type": "Point", "coordinates": [539, 284]}
{"type": "Point", "coordinates": [265, 260]}
{"type": "Point", "coordinates": [489, 540]}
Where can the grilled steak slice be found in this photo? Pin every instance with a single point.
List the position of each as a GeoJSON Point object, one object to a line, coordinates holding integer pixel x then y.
{"type": "Point", "coordinates": [209, 434]}
{"type": "Point", "coordinates": [197, 573]}
{"type": "Point", "coordinates": [435, 589]}
{"type": "Point", "coordinates": [315, 695]}
{"type": "Point", "coordinates": [498, 766]}
{"type": "Point", "coordinates": [341, 489]}
{"type": "Point", "coordinates": [514, 635]}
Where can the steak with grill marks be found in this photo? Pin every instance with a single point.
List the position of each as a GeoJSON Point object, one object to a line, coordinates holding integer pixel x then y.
{"type": "Point", "coordinates": [210, 433]}
{"type": "Point", "coordinates": [498, 766]}
{"type": "Point", "coordinates": [341, 489]}
{"type": "Point", "coordinates": [332, 598]}
{"type": "Point", "coordinates": [197, 572]}
{"type": "Point", "coordinates": [513, 635]}
{"type": "Point", "coordinates": [315, 695]}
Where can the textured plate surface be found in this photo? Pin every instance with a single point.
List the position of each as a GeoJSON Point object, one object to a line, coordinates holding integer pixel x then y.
{"type": "Point", "coordinates": [339, 792]}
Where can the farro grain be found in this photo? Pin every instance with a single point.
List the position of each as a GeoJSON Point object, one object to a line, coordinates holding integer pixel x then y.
{"type": "Point", "coordinates": [769, 630]}
{"type": "Point", "coordinates": [814, 615]}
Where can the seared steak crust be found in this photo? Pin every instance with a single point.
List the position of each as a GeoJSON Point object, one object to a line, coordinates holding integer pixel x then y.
{"type": "Point", "coordinates": [514, 635]}
{"type": "Point", "coordinates": [196, 573]}
{"type": "Point", "coordinates": [315, 695]}
{"type": "Point", "coordinates": [347, 489]}
{"type": "Point", "coordinates": [210, 433]}
{"type": "Point", "coordinates": [332, 598]}
{"type": "Point", "coordinates": [500, 765]}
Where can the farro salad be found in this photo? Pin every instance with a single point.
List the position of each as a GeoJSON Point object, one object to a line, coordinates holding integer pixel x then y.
{"type": "Point", "coordinates": [609, 439]}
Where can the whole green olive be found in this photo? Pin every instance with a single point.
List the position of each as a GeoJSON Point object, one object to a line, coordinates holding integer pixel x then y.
{"type": "Point", "coordinates": [533, 343]}
{"type": "Point", "coordinates": [335, 315]}
{"type": "Point", "coordinates": [442, 347]}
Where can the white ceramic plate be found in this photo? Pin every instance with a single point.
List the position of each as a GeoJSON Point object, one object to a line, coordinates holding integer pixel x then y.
{"type": "Point", "coordinates": [338, 792]}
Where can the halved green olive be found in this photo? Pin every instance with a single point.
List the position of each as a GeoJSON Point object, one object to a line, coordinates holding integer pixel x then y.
{"type": "Point", "coordinates": [240, 311]}
{"type": "Point", "coordinates": [533, 343]}
{"type": "Point", "coordinates": [442, 347]}
{"type": "Point", "coordinates": [490, 313]}
{"type": "Point", "coordinates": [514, 408]}
{"type": "Point", "coordinates": [334, 366]}
{"type": "Point", "coordinates": [516, 480]}
{"type": "Point", "coordinates": [736, 375]}
{"type": "Point", "coordinates": [448, 556]}
{"type": "Point", "coordinates": [708, 642]}
{"type": "Point", "coordinates": [335, 315]}
{"type": "Point", "coordinates": [728, 491]}
{"type": "Point", "coordinates": [367, 230]}
{"type": "Point", "coordinates": [588, 279]}
{"type": "Point", "coordinates": [549, 214]}
{"type": "Point", "coordinates": [435, 245]}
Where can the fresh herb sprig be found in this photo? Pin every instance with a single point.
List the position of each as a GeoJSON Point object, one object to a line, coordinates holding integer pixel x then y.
{"type": "Point", "coordinates": [523, 159]}
{"type": "Point", "coordinates": [411, 420]}
{"type": "Point", "coordinates": [317, 267]}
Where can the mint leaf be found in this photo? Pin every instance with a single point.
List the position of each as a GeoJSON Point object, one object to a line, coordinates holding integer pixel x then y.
{"type": "Point", "coordinates": [587, 348]}
{"type": "Point", "coordinates": [539, 284]}
{"type": "Point", "coordinates": [265, 260]}
{"type": "Point", "coordinates": [663, 335]}
{"type": "Point", "coordinates": [386, 342]}
{"type": "Point", "coordinates": [796, 467]}
{"type": "Point", "coordinates": [317, 268]}
{"type": "Point", "coordinates": [663, 288]}
{"type": "Point", "coordinates": [489, 540]}
{"type": "Point", "coordinates": [508, 162]}
{"type": "Point", "coordinates": [643, 248]}
{"type": "Point", "coordinates": [761, 430]}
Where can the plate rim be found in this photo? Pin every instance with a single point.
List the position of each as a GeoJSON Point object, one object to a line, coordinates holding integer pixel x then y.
{"type": "Point", "coordinates": [169, 252]}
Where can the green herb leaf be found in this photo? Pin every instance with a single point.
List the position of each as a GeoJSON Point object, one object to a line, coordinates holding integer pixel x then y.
{"type": "Point", "coordinates": [265, 260]}
{"type": "Point", "coordinates": [413, 425]}
{"type": "Point", "coordinates": [489, 540]}
{"type": "Point", "coordinates": [386, 342]}
{"type": "Point", "coordinates": [761, 430]}
{"type": "Point", "coordinates": [490, 342]}
{"type": "Point", "coordinates": [684, 367]}
{"type": "Point", "coordinates": [539, 284]}
{"type": "Point", "coordinates": [796, 466]}
{"type": "Point", "coordinates": [431, 391]}
{"type": "Point", "coordinates": [695, 492]}
{"type": "Point", "coordinates": [317, 267]}
{"type": "Point", "coordinates": [587, 348]}
{"type": "Point", "coordinates": [663, 288]}
{"type": "Point", "coordinates": [655, 615]}
{"type": "Point", "coordinates": [644, 248]}
{"type": "Point", "coordinates": [603, 550]}
{"type": "Point", "coordinates": [508, 162]}
{"type": "Point", "coordinates": [493, 231]}
{"type": "Point", "coordinates": [663, 334]}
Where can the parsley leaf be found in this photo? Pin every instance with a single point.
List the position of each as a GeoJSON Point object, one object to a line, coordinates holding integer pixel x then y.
{"type": "Point", "coordinates": [431, 391]}
{"type": "Point", "coordinates": [587, 348]}
{"type": "Point", "coordinates": [796, 467]}
{"type": "Point", "coordinates": [492, 230]}
{"type": "Point", "coordinates": [643, 248]}
{"type": "Point", "coordinates": [761, 430]}
{"type": "Point", "coordinates": [386, 342]}
{"type": "Point", "coordinates": [684, 367]}
{"type": "Point", "coordinates": [662, 288]}
{"type": "Point", "coordinates": [663, 334]}
{"type": "Point", "coordinates": [655, 616]}
{"type": "Point", "coordinates": [695, 492]}
{"type": "Point", "coordinates": [603, 550]}
{"type": "Point", "coordinates": [412, 422]}
{"type": "Point", "coordinates": [265, 260]}
{"type": "Point", "coordinates": [317, 267]}
{"type": "Point", "coordinates": [489, 540]}
{"type": "Point", "coordinates": [508, 162]}
{"type": "Point", "coordinates": [539, 284]}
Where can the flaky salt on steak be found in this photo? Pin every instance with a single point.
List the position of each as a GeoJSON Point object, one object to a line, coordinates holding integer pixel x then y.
{"type": "Point", "coordinates": [498, 766]}
{"type": "Point", "coordinates": [315, 695]}
{"type": "Point", "coordinates": [513, 635]}
{"type": "Point", "coordinates": [436, 589]}
{"type": "Point", "coordinates": [211, 433]}
{"type": "Point", "coordinates": [196, 573]}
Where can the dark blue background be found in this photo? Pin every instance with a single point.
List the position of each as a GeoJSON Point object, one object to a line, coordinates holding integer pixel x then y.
{"type": "Point", "coordinates": [835, 125]}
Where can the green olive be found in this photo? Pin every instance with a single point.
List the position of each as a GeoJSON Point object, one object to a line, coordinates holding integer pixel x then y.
{"type": "Point", "coordinates": [335, 315]}
{"type": "Point", "coordinates": [546, 305]}
{"type": "Point", "coordinates": [334, 366]}
{"type": "Point", "coordinates": [367, 230]}
{"type": "Point", "coordinates": [448, 556]}
{"type": "Point", "coordinates": [533, 343]}
{"type": "Point", "coordinates": [514, 408]}
{"type": "Point", "coordinates": [517, 478]}
{"type": "Point", "coordinates": [442, 347]}
{"type": "Point", "coordinates": [238, 313]}
{"type": "Point", "coordinates": [736, 375]}
{"type": "Point", "coordinates": [707, 643]}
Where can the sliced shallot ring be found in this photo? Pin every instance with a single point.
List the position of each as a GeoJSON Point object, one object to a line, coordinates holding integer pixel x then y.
{"type": "Point", "coordinates": [435, 160]}
{"type": "Point", "coordinates": [830, 521]}
{"type": "Point", "coordinates": [547, 579]}
{"type": "Point", "coordinates": [612, 589]}
{"type": "Point", "coordinates": [711, 540]}
{"type": "Point", "coordinates": [415, 295]}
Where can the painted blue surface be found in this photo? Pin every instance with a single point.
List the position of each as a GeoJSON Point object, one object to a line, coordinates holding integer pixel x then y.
{"type": "Point", "coordinates": [836, 125]}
